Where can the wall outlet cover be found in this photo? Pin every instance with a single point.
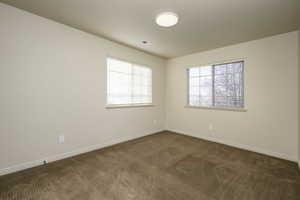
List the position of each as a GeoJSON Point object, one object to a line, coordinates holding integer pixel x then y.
{"type": "Point", "coordinates": [61, 139]}
{"type": "Point", "coordinates": [210, 127]}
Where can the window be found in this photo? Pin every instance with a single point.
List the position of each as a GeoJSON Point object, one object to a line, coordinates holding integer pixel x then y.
{"type": "Point", "coordinates": [127, 83]}
{"type": "Point", "coordinates": [216, 85]}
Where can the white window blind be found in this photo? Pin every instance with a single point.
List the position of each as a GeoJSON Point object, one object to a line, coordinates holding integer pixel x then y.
{"type": "Point", "coordinates": [128, 83]}
{"type": "Point", "coordinates": [216, 85]}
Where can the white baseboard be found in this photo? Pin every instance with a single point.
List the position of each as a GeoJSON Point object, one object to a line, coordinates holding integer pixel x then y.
{"type": "Point", "coordinates": [53, 158]}
{"type": "Point", "coordinates": [292, 158]}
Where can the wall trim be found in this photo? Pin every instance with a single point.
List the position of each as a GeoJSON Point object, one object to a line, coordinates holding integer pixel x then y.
{"type": "Point", "coordinates": [110, 142]}
{"type": "Point", "coordinates": [292, 158]}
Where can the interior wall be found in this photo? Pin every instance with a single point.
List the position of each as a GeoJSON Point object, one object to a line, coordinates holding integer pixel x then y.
{"type": "Point", "coordinates": [270, 123]}
{"type": "Point", "coordinates": [53, 82]}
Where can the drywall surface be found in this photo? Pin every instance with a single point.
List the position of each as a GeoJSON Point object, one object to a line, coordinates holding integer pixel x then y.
{"type": "Point", "coordinates": [271, 97]}
{"type": "Point", "coordinates": [53, 82]}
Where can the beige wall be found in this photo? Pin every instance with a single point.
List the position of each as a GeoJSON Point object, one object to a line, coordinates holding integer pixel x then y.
{"type": "Point", "coordinates": [271, 97]}
{"type": "Point", "coordinates": [52, 82]}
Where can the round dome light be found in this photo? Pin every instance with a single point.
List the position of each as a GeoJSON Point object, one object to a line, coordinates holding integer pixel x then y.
{"type": "Point", "coordinates": [167, 19]}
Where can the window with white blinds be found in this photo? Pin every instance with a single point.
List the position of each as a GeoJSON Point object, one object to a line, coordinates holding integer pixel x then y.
{"type": "Point", "coordinates": [128, 83]}
{"type": "Point", "coordinates": [218, 85]}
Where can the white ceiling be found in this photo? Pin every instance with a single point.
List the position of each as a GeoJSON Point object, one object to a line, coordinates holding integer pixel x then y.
{"type": "Point", "coordinates": [203, 24]}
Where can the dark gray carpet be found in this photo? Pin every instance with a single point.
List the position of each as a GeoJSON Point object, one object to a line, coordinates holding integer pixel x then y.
{"type": "Point", "coordinates": [164, 166]}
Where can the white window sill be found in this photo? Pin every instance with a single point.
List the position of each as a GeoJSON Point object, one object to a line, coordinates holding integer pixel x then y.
{"type": "Point", "coordinates": [128, 106]}
{"type": "Point", "coordinates": [218, 108]}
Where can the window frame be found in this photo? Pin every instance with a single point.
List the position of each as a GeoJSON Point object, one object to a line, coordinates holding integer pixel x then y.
{"type": "Point", "coordinates": [241, 109]}
{"type": "Point", "coordinates": [129, 105]}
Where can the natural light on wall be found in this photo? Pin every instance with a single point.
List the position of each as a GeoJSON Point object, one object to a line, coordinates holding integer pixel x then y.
{"type": "Point", "coordinates": [128, 83]}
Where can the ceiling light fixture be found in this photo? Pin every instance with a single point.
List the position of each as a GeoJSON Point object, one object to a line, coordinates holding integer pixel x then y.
{"type": "Point", "coordinates": [167, 19]}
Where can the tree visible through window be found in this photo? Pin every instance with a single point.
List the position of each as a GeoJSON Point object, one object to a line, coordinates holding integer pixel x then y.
{"type": "Point", "coordinates": [127, 83]}
{"type": "Point", "coordinates": [216, 85]}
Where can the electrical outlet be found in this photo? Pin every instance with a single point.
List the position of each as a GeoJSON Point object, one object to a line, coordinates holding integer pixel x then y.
{"type": "Point", "coordinates": [61, 139]}
{"type": "Point", "coordinates": [210, 127]}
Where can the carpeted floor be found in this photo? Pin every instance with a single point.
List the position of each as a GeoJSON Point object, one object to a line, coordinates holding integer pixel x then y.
{"type": "Point", "coordinates": [164, 166]}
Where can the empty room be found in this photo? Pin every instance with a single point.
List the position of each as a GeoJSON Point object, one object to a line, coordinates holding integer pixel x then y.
{"type": "Point", "coordinates": [149, 100]}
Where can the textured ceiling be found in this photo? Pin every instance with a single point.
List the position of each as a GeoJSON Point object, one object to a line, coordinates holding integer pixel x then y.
{"type": "Point", "coordinates": [203, 24]}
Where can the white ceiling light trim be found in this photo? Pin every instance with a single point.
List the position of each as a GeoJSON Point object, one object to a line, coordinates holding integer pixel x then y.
{"type": "Point", "coordinates": [167, 19]}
